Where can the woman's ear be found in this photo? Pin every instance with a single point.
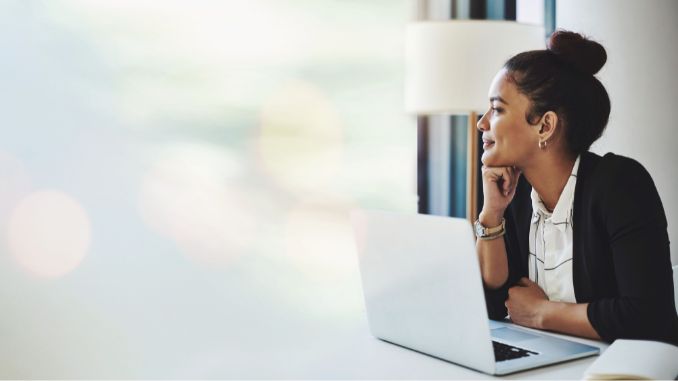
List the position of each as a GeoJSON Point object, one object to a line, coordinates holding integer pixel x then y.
{"type": "Point", "coordinates": [548, 126]}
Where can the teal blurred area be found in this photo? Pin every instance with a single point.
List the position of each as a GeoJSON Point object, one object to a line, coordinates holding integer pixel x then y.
{"type": "Point", "coordinates": [177, 177]}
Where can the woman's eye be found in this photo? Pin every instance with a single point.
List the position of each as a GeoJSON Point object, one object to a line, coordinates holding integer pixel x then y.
{"type": "Point", "coordinates": [497, 109]}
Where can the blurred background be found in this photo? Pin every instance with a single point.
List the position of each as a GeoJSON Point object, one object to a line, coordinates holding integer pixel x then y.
{"type": "Point", "coordinates": [176, 176]}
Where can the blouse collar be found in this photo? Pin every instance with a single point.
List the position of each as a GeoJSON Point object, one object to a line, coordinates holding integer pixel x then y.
{"type": "Point", "coordinates": [562, 213]}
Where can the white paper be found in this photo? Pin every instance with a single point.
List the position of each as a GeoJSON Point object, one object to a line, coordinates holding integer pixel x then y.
{"type": "Point", "coordinates": [635, 359]}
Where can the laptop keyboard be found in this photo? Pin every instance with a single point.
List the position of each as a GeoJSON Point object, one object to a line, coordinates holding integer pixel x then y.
{"type": "Point", "coordinates": [503, 352]}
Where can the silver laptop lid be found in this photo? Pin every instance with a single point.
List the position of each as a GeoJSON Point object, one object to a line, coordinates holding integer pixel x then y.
{"type": "Point", "coordinates": [422, 285]}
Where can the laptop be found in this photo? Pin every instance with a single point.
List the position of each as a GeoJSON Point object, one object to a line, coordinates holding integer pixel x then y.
{"type": "Point", "coordinates": [423, 290]}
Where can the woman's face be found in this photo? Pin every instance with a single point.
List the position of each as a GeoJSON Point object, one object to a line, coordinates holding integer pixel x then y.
{"type": "Point", "coordinates": [508, 140]}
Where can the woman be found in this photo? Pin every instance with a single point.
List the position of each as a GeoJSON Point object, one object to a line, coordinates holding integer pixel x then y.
{"type": "Point", "coordinates": [568, 241]}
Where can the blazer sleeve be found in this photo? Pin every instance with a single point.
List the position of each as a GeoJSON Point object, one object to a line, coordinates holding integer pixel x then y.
{"type": "Point", "coordinates": [635, 222]}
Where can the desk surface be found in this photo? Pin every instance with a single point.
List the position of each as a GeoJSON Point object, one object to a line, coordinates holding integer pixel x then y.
{"type": "Point", "coordinates": [354, 353]}
{"type": "Point", "coordinates": [373, 358]}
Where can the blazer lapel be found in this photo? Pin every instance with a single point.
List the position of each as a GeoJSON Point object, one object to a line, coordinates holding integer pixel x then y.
{"type": "Point", "coordinates": [580, 269]}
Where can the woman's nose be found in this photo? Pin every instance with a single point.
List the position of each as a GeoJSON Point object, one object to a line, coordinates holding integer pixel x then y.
{"type": "Point", "coordinates": [482, 123]}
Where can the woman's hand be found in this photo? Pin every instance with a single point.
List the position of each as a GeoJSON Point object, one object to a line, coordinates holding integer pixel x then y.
{"type": "Point", "coordinates": [527, 303]}
{"type": "Point", "coordinates": [499, 187]}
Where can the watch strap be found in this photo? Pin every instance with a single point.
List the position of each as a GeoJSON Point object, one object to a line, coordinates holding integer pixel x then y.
{"type": "Point", "coordinates": [486, 233]}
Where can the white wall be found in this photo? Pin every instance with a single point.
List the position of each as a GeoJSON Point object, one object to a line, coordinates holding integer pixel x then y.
{"type": "Point", "coordinates": [640, 76]}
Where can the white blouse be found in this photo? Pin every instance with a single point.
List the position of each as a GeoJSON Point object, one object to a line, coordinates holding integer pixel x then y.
{"type": "Point", "coordinates": [550, 262]}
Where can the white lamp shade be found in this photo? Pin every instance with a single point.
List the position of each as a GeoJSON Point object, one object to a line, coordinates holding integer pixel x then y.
{"type": "Point", "coordinates": [450, 64]}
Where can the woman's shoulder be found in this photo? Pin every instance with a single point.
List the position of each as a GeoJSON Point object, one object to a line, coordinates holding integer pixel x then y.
{"type": "Point", "coordinates": [612, 169]}
{"type": "Point", "coordinates": [615, 180]}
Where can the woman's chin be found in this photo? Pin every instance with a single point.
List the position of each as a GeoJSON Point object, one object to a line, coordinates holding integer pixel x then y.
{"type": "Point", "coordinates": [489, 159]}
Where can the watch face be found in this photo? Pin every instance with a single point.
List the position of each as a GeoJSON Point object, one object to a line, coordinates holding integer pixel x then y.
{"type": "Point", "coordinates": [479, 229]}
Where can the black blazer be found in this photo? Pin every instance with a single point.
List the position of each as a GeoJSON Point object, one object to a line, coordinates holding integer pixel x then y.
{"type": "Point", "coordinates": [621, 263]}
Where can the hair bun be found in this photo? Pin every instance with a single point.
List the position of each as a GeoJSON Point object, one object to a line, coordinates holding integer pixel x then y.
{"type": "Point", "coordinates": [581, 53]}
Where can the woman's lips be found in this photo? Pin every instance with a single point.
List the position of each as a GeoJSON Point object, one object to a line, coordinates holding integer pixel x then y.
{"type": "Point", "coordinates": [487, 143]}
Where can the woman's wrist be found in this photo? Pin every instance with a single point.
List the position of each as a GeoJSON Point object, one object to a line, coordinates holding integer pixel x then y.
{"type": "Point", "coordinates": [490, 219]}
{"type": "Point", "coordinates": [548, 310]}
{"type": "Point", "coordinates": [568, 318]}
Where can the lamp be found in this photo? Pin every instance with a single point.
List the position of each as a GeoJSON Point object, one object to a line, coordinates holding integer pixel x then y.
{"type": "Point", "coordinates": [449, 67]}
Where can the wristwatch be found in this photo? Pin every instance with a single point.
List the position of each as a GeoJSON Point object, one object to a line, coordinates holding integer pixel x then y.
{"type": "Point", "coordinates": [489, 233]}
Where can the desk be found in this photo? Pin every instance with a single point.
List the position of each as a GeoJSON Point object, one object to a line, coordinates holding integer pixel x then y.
{"type": "Point", "coordinates": [352, 353]}
{"type": "Point", "coordinates": [373, 358]}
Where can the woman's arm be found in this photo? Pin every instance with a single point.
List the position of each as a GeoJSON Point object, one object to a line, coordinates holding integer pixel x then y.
{"type": "Point", "coordinates": [499, 188]}
{"type": "Point", "coordinates": [635, 223]}
{"type": "Point", "coordinates": [529, 306]}
{"type": "Point", "coordinates": [569, 318]}
{"type": "Point", "coordinates": [492, 255]}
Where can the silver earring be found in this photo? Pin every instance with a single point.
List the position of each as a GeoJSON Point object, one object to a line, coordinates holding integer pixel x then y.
{"type": "Point", "coordinates": [542, 144]}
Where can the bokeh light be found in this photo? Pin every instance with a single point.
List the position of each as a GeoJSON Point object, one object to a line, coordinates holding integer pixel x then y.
{"type": "Point", "coordinates": [300, 141]}
{"type": "Point", "coordinates": [49, 233]}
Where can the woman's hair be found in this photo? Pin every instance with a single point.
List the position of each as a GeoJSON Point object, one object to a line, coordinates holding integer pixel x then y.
{"type": "Point", "coordinates": [561, 79]}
